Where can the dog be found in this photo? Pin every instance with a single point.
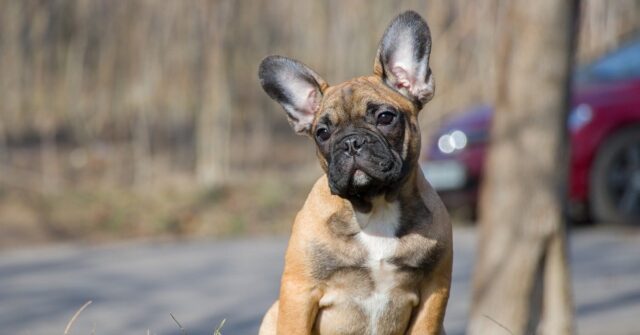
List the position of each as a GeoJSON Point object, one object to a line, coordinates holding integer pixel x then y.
{"type": "Point", "coordinates": [370, 251]}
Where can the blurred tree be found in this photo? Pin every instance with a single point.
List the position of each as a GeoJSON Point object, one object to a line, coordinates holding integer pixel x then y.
{"type": "Point", "coordinates": [214, 118]}
{"type": "Point", "coordinates": [521, 281]}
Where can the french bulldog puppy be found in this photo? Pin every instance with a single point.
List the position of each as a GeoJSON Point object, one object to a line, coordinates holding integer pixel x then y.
{"type": "Point", "coordinates": [371, 249]}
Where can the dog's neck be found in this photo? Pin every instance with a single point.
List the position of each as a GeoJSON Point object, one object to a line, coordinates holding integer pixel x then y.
{"type": "Point", "coordinates": [383, 218]}
{"type": "Point", "coordinates": [406, 188]}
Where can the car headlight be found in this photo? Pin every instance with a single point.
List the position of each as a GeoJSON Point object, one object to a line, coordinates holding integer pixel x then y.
{"type": "Point", "coordinates": [452, 141]}
{"type": "Point", "coordinates": [579, 117]}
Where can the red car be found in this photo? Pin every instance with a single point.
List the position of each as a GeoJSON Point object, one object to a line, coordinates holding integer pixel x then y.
{"type": "Point", "coordinates": [604, 125]}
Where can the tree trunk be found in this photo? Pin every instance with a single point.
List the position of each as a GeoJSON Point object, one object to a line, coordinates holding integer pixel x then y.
{"type": "Point", "coordinates": [213, 128]}
{"type": "Point", "coordinates": [49, 161]}
{"type": "Point", "coordinates": [521, 281]}
{"type": "Point", "coordinates": [142, 160]}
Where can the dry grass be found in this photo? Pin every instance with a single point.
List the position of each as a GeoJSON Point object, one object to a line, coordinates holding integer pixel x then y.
{"type": "Point", "coordinates": [183, 331]}
{"type": "Point", "coordinates": [258, 206]}
{"type": "Point", "coordinates": [67, 329]}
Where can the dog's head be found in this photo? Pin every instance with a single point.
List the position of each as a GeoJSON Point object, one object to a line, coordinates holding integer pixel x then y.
{"type": "Point", "coordinates": [366, 129]}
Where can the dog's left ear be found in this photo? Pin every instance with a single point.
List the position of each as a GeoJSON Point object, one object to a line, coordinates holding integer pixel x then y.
{"type": "Point", "coordinates": [296, 87]}
{"type": "Point", "coordinates": [403, 58]}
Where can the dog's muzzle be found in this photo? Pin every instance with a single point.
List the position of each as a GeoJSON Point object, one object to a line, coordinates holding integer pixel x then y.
{"type": "Point", "coordinates": [362, 164]}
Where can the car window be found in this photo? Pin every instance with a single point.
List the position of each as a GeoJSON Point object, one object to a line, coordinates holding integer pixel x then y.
{"type": "Point", "coordinates": [623, 63]}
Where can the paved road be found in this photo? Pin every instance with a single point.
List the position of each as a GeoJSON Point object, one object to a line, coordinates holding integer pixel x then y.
{"type": "Point", "coordinates": [134, 286]}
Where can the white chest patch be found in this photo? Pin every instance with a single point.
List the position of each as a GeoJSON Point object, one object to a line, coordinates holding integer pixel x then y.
{"type": "Point", "coordinates": [378, 237]}
{"type": "Point", "coordinates": [378, 230]}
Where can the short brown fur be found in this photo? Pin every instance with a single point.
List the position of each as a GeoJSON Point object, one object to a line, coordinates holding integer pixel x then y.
{"type": "Point", "coordinates": [315, 241]}
{"type": "Point", "coordinates": [331, 265]}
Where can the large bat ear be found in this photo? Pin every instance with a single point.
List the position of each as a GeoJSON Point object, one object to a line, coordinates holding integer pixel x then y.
{"type": "Point", "coordinates": [403, 58]}
{"type": "Point", "coordinates": [295, 86]}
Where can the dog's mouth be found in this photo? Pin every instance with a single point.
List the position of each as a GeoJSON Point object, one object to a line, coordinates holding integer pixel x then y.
{"type": "Point", "coordinates": [364, 172]}
{"type": "Point", "coordinates": [363, 177]}
{"type": "Point", "coordinates": [360, 178]}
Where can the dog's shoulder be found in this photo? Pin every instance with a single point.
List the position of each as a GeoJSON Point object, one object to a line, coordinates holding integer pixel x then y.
{"type": "Point", "coordinates": [322, 232]}
{"type": "Point", "coordinates": [431, 199]}
{"type": "Point", "coordinates": [425, 228]}
{"type": "Point", "coordinates": [319, 208]}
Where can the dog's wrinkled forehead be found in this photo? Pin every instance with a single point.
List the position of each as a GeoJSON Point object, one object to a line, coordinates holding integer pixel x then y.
{"type": "Point", "coordinates": [401, 77]}
{"type": "Point", "coordinates": [349, 100]}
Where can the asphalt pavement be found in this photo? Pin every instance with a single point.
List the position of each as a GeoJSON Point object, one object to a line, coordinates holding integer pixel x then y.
{"type": "Point", "coordinates": [134, 286]}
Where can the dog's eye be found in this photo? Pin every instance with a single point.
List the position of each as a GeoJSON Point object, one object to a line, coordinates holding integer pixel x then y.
{"type": "Point", "coordinates": [323, 134]}
{"type": "Point", "coordinates": [386, 118]}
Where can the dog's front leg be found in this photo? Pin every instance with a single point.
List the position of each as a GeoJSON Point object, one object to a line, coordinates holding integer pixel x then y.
{"type": "Point", "coordinates": [299, 297]}
{"type": "Point", "coordinates": [297, 309]}
{"type": "Point", "coordinates": [434, 295]}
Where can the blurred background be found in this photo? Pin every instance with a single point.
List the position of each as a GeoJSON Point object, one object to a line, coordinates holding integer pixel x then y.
{"type": "Point", "coordinates": [132, 119]}
{"type": "Point", "coordinates": [122, 119]}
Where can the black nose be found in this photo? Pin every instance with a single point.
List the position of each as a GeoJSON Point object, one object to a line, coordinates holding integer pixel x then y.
{"type": "Point", "coordinates": [353, 144]}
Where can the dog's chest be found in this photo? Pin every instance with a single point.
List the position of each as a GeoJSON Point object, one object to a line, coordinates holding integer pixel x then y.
{"type": "Point", "coordinates": [366, 291]}
{"type": "Point", "coordinates": [378, 237]}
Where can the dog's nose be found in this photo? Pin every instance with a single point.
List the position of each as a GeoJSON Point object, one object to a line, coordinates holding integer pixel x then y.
{"type": "Point", "coordinates": [353, 144]}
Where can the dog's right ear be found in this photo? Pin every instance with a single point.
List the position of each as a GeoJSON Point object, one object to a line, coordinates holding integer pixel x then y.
{"type": "Point", "coordinates": [296, 87]}
{"type": "Point", "coordinates": [403, 58]}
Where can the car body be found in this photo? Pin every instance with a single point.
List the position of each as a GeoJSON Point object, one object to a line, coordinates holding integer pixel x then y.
{"type": "Point", "coordinates": [604, 128]}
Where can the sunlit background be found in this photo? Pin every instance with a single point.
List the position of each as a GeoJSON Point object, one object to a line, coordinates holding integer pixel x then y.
{"type": "Point", "coordinates": [136, 118]}
{"type": "Point", "coordinates": [129, 119]}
